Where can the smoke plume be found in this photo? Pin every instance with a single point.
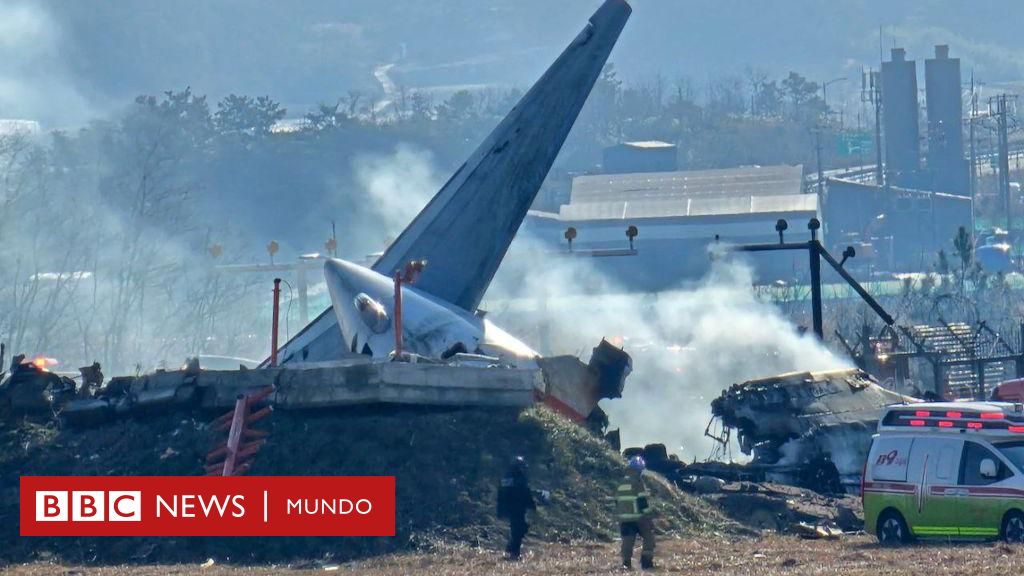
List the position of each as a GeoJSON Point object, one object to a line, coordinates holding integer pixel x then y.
{"type": "Point", "coordinates": [687, 344]}
{"type": "Point", "coordinates": [397, 186]}
{"type": "Point", "coordinates": [34, 81]}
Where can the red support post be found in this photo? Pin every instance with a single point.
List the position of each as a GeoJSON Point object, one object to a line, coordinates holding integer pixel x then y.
{"type": "Point", "coordinates": [273, 334]}
{"type": "Point", "coordinates": [398, 315]}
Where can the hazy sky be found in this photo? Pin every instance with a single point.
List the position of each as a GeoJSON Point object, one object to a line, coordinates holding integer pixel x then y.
{"type": "Point", "coordinates": [62, 61]}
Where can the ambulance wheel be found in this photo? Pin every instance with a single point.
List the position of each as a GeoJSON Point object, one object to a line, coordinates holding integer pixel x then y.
{"type": "Point", "coordinates": [892, 529]}
{"type": "Point", "coordinates": [1013, 527]}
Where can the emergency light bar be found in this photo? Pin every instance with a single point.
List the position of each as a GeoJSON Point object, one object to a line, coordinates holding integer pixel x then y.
{"type": "Point", "coordinates": [942, 417]}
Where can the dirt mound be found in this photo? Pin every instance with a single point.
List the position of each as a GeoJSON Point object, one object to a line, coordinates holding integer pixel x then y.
{"type": "Point", "coordinates": [446, 463]}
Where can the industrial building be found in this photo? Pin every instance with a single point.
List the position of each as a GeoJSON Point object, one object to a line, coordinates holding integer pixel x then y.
{"type": "Point", "coordinates": [896, 229]}
{"type": "Point", "coordinates": [646, 156]}
{"type": "Point", "coordinates": [678, 216]}
{"type": "Point", "coordinates": [924, 199]}
{"type": "Point", "coordinates": [919, 207]}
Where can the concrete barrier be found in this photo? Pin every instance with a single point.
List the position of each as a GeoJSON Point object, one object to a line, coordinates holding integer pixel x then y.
{"type": "Point", "coordinates": [563, 381]}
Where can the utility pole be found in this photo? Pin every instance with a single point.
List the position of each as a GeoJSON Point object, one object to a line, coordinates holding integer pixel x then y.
{"type": "Point", "coordinates": [814, 250]}
{"type": "Point", "coordinates": [974, 159]}
{"type": "Point", "coordinates": [821, 173]}
{"type": "Point", "coordinates": [1001, 113]}
{"type": "Point", "coordinates": [871, 91]}
{"type": "Point", "coordinates": [817, 135]}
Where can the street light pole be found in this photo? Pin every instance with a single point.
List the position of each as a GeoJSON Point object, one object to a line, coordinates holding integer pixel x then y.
{"type": "Point", "coordinates": [817, 133]}
{"type": "Point", "coordinates": [824, 92]}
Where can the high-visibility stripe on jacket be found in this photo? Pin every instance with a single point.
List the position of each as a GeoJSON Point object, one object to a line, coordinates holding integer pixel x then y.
{"type": "Point", "coordinates": [630, 501]}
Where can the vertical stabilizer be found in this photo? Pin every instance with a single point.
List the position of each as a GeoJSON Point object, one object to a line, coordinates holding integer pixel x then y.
{"type": "Point", "coordinates": [467, 227]}
{"type": "Point", "coordinates": [465, 230]}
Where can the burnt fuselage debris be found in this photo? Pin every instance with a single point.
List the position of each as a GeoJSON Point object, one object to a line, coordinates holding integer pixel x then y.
{"type": "Point", "coordinates": [806, 428]}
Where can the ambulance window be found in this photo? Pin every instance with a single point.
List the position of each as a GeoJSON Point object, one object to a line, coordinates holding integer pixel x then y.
{"type": "Point", "coordinates": [945, 467]}
{"type": "Point", "coordinates": [1014, 452]}
{"type": "Point", "coordinates": [970, 466]}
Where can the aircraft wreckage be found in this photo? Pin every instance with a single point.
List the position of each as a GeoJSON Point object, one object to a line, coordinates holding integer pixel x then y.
{"type": "Point", "coordinates": [447, 352]}
{"type": "Point", "coordinates": [809, 428]}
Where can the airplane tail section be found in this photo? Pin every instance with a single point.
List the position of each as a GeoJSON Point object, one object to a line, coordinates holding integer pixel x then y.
{"type": "Point", "coordinates": [466, 229]}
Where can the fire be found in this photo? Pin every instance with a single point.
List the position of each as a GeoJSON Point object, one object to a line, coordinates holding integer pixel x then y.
{"type": "Point", "coordinates": [42, 363]}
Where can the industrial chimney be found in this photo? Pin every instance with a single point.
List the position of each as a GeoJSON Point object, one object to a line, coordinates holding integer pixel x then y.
{"type": "Point", "coordinates": [899, 109]}
{"type": "Point", "coordinates": [947, 167]}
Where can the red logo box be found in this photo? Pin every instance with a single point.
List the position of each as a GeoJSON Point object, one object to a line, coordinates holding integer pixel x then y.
{"type": "Point", "coordinates": [207, 506]}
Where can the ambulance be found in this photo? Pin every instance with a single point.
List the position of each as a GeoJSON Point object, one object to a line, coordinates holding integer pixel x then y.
{"type": "Point", "coordinates": [946, 470]}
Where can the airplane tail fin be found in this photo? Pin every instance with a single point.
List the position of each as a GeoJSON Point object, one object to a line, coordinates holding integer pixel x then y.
{"type": "Point", "coordinates": [466, 229]}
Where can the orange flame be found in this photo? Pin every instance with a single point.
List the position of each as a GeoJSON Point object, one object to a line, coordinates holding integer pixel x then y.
{"type": "Point", "coordinates": [42, 363]}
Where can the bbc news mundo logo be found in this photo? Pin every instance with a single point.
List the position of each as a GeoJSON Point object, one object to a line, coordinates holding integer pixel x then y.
{"type": "Point", "coordinates": [207, 506]}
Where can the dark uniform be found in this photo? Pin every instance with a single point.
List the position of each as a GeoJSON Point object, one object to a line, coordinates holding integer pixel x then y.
{"type": "Point", "coordinates": [632, 507]}
{"type": "Point", "coordinates": [514, 499]}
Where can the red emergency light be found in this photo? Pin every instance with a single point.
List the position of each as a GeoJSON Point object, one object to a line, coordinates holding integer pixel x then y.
{"type": "Point", "coordinates": [970, 420]}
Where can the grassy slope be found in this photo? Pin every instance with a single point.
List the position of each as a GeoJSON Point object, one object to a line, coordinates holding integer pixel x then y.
{"type": "Point", "coordinates": [446, 462]}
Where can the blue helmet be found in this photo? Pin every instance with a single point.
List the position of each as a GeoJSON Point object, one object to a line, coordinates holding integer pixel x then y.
{"type": "Point", "coordinates": [637, 463]}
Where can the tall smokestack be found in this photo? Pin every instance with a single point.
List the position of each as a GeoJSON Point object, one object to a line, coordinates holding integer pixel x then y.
{"type": "Point", "coordinates": [899, 109]}
{"type": "Point", "coordinates": [946, 164]}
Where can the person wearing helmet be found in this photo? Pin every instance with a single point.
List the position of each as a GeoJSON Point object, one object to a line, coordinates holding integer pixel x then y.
{"type": "Point", "coordinates": [633, 510]}
{"type": "Point", "coordinates": [514, 500]}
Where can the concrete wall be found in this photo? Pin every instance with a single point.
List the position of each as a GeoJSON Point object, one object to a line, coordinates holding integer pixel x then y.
{"type": "Point", "coordinates": [396, 383]}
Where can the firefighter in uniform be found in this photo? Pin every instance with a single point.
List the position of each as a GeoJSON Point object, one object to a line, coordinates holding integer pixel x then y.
{"type": "Point", "coordinates": [514, 500]}
{"type": "Point", "coordinates": [633, 509]}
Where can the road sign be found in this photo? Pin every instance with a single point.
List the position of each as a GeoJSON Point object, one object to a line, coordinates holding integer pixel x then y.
{"type": "Point", "coordinates": [855, 143]}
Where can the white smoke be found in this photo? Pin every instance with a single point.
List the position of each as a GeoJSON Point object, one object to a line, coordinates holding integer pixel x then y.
{"type": "Point", "coordinates": [34, 82]}
{"type": "Point", "coordinates": [397, 186]}
{"type": "Point", "coordinates": [687, 344]}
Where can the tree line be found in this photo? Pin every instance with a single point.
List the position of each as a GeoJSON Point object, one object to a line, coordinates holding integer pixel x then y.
{"type": "Point", "coordinates": [116, 230]}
